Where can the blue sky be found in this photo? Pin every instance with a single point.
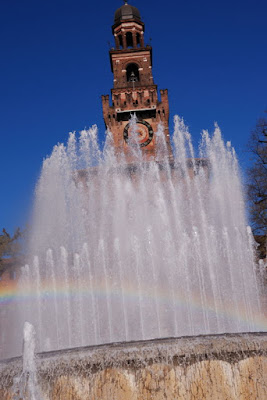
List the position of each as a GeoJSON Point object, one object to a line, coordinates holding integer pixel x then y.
{"type": "Point", "coordinates": [55, 65]}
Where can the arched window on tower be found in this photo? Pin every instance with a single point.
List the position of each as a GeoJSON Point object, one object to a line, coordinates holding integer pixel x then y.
{"type": "Point", "coordinates": [138, 41]}
{"type": "Point", "coordinates": [129, 39]}
{"type": "Point", "coordinates": [120, 41]}
{"type": "Point", "coordinates": [132, 73]}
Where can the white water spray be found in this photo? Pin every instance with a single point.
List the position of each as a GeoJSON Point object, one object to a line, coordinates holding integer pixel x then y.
{"type": "Point", "coordinates": [130, 252]}
{"type": "Point", "coordinates": [26, 386]}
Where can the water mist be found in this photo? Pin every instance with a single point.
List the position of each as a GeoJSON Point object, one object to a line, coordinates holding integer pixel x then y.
{"type": "Point", "coordinates": [123, 252]}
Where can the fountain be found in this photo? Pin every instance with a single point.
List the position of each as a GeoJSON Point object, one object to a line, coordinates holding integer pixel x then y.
{"type": "Point", "coordinates": [124, 253]}
{"type": "Point", "coordinates": [26, 385]}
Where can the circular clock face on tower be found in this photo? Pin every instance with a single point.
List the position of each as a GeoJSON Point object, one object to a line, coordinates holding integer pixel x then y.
{"type": "Point", "coordinates": [144, 133]}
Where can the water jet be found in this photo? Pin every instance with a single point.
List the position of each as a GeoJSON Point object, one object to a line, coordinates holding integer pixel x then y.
{"type": "Point", "coordinates": [131, 245]}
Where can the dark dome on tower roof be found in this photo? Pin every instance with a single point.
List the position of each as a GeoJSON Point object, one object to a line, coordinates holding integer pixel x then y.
{"type": "Point", "coordinates": [126, 12]}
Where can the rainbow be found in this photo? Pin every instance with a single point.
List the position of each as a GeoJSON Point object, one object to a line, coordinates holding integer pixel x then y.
{"type": "Point", "coordinates": [130, 293]}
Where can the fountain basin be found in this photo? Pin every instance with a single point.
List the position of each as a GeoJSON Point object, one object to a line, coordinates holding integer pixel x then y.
{"type": "Point", "coordinates": [229, 366]}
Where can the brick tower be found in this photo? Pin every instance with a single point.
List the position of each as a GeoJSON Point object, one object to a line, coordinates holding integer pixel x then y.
{"type": "Point", "coordinates": [134, 90]}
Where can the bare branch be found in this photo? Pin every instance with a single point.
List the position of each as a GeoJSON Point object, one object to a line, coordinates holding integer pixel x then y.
{"type": "Point", "coordinates": [257, 177]}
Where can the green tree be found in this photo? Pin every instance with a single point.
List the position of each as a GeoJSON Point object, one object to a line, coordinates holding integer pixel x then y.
{"type": "Point", "coordinates": [10, 247]}
{"type": "Point", "coordinates": [257, 178]}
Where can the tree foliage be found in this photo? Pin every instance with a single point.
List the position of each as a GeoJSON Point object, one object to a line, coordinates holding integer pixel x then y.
{"type": "Point", "coordinates": [9, 246]}
{"type": "Point", "coordinates": [257, 178]}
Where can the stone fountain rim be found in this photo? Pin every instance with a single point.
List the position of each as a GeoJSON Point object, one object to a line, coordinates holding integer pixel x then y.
{"type": "Point", "coordinates": [184, 346]}
{"type": "Point", "coordinates": [131, 356]}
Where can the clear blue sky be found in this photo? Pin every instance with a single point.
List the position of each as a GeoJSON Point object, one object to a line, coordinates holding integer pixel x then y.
{"type": "Point", "coordinates": [212, 56]}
